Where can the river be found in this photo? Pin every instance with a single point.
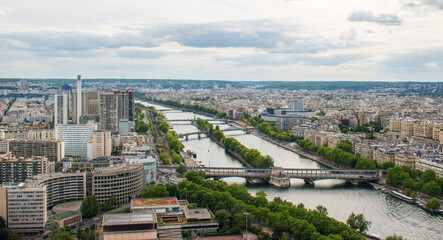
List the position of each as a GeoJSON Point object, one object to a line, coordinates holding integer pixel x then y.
{"type": "Point", "coordinates": [387, 214]}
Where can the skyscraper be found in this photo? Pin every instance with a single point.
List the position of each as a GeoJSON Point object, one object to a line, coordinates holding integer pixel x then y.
{"type": "Point", "coordinates": [79, 97]}
{"type": "Point", "coordinates": [89, 106]}
{"type": "Point", "coordinates": [116, 107]}
{"type": "Point", "coordinates": [61, 108]}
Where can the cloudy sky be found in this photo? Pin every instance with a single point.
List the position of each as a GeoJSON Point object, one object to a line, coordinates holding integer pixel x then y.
{"type": "Point", "coordinates": [298, 40]}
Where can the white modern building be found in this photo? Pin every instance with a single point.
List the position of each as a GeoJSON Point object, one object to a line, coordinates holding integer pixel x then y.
{"type": "Point", "coordinates": [76, 138]}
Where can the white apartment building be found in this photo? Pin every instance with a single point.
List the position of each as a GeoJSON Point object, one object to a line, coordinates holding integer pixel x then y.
{"type": "Point", "coordinates": [76, 138]}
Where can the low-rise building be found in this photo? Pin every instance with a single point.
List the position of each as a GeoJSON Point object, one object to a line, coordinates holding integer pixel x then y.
{"type": "Point", "coordinates": [431, 162]}
{"type": "Point", "coordinates": [405, 159]}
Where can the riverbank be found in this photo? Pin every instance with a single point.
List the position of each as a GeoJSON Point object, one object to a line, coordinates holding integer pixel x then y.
{"type": "Point", "coordinates": [234, 154]}
{"type": "Point", "coordinates": [300, 151]}
{"type": "Point", "coordinates": [401, 195]}
{"type": "Point", "coordinates": [181, 108]}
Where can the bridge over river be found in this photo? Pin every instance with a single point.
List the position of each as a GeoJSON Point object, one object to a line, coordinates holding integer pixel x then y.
{"type": "Point", "coordinates": [280, 176]}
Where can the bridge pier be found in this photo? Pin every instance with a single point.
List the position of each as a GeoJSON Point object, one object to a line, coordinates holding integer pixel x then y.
{"type": "Point", "coordinates": [308, 181]}
{"type": "Point", "coordinates": [279, 178]}
{"type": "Point", "coordinates": [199, 136]}
{"type": "Point", "coordinates": [350, 182]}
{"type": "Point", "coordinates": [187, 137]}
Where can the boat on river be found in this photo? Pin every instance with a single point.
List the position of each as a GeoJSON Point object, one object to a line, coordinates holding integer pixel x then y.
{"type": "Point", "coordinates": [401, 196]}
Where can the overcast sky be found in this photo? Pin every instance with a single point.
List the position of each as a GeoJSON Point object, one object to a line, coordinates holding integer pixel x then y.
{"type": "Point", "coordinates": [298, 40]}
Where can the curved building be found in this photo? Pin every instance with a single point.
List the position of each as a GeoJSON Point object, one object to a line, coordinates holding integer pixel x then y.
{"type": "Point", "coordinates": [63, 187]}
{"type": "Point", "coordinates": [125, 182]}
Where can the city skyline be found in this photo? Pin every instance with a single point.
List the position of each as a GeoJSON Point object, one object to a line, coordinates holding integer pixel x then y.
{"type": "Point", "coordinates": [318, 40]}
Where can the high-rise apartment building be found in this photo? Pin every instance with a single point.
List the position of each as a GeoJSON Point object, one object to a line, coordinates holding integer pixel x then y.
{"type": "Point", "coordinates": [75, 137]}
{"type": "Point", "coordinates": [109, 112]}
{"type": "Point", "coordinates": [54, 150]}
{"type": "Point", "coordinates": [114, 107]}
{"type": "Point", "coordinates": [23, 207]}
{"type": "Point", "coordinates": [79, 98]}
{"type": "Point", "coordinates": [89, 105]}
{"type": "Point", "coordinates": [61, 108]}
{"type": "Point", "coordinates": [13, 169]}
{"type": "Point", "coordinates": [100, 144]}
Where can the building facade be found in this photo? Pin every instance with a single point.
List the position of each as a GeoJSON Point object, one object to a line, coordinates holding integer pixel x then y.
{"type": "Point", "coordinates": [23, 207]}
{"type": "Point", "coordinates": [124, 182]}
{"type": "Point", "coordinates": [62, 187]}
{"type": "Point", "coordinates": [17, 170]}
{"type": "Point", "coordinates": [53, 150]}
{"type": "Point", "coordinates": [75, 137]}
{"type": "Point", "coordinates": [100, 144]}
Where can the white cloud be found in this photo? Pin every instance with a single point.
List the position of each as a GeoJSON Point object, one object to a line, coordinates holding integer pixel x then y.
{"type": "Point", "coordinates": [4, 10]}
{"type": "Point", "coordinates": [431, 65]}
{"type": "Point", "coordinates": [221, 39]}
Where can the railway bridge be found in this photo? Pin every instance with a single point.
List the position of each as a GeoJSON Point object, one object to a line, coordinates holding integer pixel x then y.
{"type": "Point", "coordinates": [280, 176]}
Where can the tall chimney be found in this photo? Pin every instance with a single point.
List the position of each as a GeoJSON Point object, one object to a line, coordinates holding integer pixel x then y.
{"type": "Point", "coordinates": [79, 97]}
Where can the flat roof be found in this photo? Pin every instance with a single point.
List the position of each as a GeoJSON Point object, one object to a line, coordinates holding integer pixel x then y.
{"type": "Point", "coordinates": [198, 213]}
{"type": "Point", "coordinates": [127, 218]}
{"type": "Point", "coordinates": [131, 236]}
{"type": "Point", "coordinates": [236, 237]}
{"type": "Point", "coordinates": [151, 202]}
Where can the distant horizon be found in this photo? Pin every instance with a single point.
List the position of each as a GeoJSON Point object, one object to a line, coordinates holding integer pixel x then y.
{"type": "Point", "coordinates": [221, 80]}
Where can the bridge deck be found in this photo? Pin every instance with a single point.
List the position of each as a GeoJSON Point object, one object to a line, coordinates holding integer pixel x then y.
{"type": "Point", "coordinates": [311, 174]}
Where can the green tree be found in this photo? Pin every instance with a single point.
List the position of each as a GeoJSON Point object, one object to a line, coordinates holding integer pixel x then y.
{"type": "Point", "coordinates": [181, 169]}
{"type": "Point", "coordinates": [164, 127]}
{"type": "Point", "coordinates": [164, 157]}
{"type": "Point", "coordinates": [322, 209]}
{"type": "Point", "coordinates": [358, 222]}
{"type": "Point", "coordinates": [395, 237]}
{"type": "Point", "coordinates": [387, 165]}
{"type": "Point", "coordinates": [432, 188]}
{"type": "Point", "coordinates": [110, 204]}
{"type": "Point", "coordinates": [321, 113]}
{"type": "Point", "coordinates": [13, 236]}
{"type": "Point", "coordinates": [89, 235]}
{"type": "Point", "coordinates": [61, 234]}
{"type": "Point", "coordinates": [3, 234]}
{"type": "Point", "coordinates": [90, 207]}
{"type": "Point", "coordinates": [428, 175]}
{"type": "Point", "coordinates": [433, 203]}
{"type": "Point", "coordinates": [2, 222]}
{"type": "Point", "coordinates": [154, 191]}
{"type": "Point", "coordinates": [223, 217]}
{"type": "Point", "coordinates": [345, 145]}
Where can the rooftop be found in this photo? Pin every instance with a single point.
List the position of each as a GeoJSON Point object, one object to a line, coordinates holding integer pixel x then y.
{"type": "Point", "coordinates": [198, 214]}
{"type": "Point", "coordinates": [130, 236]}
{"type": "Point", "coordinates": [128, 218]}
{"type": "Point", "coordinates": [151, 202]}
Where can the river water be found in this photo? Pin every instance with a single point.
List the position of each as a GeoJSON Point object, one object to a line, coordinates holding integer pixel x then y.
{"type": "Point", "coordinates": [388, 215]}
